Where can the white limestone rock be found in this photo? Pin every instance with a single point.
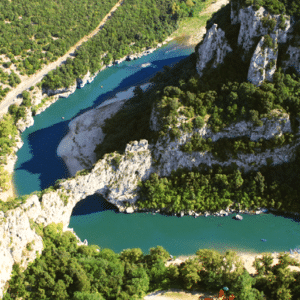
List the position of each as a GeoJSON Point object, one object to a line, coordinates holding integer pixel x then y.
{"type": "Point", "coordinates": [170, 157]}
{"type": "Point", "coordinates": [263, 63]}
{"type": "Point", "coordinates": [238, 217]}
{"type": "Point", "coordinates": [37, 97]}
{"type": "Point", "coordinates": [81, 82]}
{"type": "Point", "coordinates": [252, 26]}
{"type": "Point", "coordinates": [25, 122]}
{"type": "Point", "coordinates": [129, 210]}
{"type": "Point", "coordinates": [214, 46]}
{"type": "Point", "coordinates": [63, 92]}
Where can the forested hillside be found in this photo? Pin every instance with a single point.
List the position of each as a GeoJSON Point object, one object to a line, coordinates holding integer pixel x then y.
{"type": "Point", "coordinates": [35, 33]}
{"type": "Point", "coordinates": [66, 271]}
{"type": "Point", "coordinates": [135, 25]}
{"type": "Point", "coordinates": [221, 97]}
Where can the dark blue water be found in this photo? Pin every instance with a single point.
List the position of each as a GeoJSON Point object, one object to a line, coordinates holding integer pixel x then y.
{"type": "Point", "coordinates": [38, 167]}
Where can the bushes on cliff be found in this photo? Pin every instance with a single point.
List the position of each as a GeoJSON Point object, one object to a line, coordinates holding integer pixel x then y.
{"type": "Point", "coordinates": [213, 189]}
{"type": "Point", "coordinates": [290, 7]}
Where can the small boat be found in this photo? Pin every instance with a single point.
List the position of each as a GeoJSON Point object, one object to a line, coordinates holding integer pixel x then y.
{"type": "Point", "coordinates": [263, 240]}
{"type": "Point", "coordinates": [63, 118]}
{"type": "Point", "coordinates": [101, 86]}
{"type": "Point", "coordinates": [291, 251]}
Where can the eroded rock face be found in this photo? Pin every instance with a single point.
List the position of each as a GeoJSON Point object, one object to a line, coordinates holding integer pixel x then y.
{"type": "Point", "coordinates": [252, 26]}
{"type": "Point", "coordinates": [263, 63]}
{"type": "Point", "coordinates": [25, 122]}
{"type": "Point", "coordinates": [116, 183]}
{"type": "Point", "coordinates": [170, 157]}
{"type": "Point", "coordinates": [154, 120]}
{"type": "Point", "coordinates": [214, 47]}
{"type": "Point", "coordinates": [64, 92]}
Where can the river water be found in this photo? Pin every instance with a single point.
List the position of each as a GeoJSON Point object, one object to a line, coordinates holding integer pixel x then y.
{"type": "Point", "coordinates": [38, 167]}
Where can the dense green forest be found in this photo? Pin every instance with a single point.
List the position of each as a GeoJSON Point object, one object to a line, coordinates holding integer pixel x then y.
{"type": "Point", "coordinates": [289, 7]}
{"type": "Point", "coordinates": [144, 23]}
{"type": "Point", "coordinates": [33, 34]}
{"type": "Point", "coordinates": [216, 188]}
{"type": "Point", "coordinates": [67, 271]}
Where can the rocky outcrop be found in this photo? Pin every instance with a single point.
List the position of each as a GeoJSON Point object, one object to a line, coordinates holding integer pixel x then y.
{"type": "Point", "coordinates": [214, 48]}
{"type": "Point", "coordinates": [234, 12]}
{"type": "Point", "coordinates": [25, 122]}
{"type": "Point", "coordinates": [37, 97]}
{"type": "Point", "coordinates": [85, 132]}
{"type": "Point", "coordinates": [263, 63]}
{"type": "Point", "coordinates": [63, 92]}
{"type": "Point", "coordinates": [81, 82]}
{"type": "Point", "coordinates": [252, 26]}
{"type": "Point", "coordinates": [170, 157]}
{"type": "Point", "coordinates": [114, 177]}
{"type": "Point", "coordinates": [154, 120]}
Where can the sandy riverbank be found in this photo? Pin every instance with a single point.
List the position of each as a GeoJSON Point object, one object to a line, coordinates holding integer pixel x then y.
{"type": "Point", "coordinates": [85, 132]}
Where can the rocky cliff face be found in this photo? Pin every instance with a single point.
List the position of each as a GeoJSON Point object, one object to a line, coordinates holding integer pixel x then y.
{"type": "Point", "coordinates": [25, 122]}
{"type": "Point", "coordinates": [214, 48]}
{"type": "Point", "coordinates": [263, 63]}
{"type": "Point", "coordinates": [294, 58]}
{"type": "Point", "coordinates": [170, 157]}
{"type": "Point", "coordinates": [253, 25]}
{"type": "Point", "coordinates": [114, 177]}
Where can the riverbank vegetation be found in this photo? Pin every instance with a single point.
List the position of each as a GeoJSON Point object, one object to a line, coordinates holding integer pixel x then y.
{"type": "Point", "coordinates": [216, 188]}
{"type": "Point", "coordinates": [34, 34]}
{"type": "Point", "coordinates": [135, 26]}
{"type": "Point", "coordinates": [67, 271]}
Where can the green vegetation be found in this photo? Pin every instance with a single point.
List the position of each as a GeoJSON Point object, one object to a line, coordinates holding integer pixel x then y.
{"type": "Point", "coordinates": [213, 189]}
{"type": "Point", "coordinates": [144, 23]}
{"type": "Point", "coordinates": [289, 7]}
{"type": "Point", "coordinates": [34, 34]}
{"type": "Point", "coordinates": [27, 29]}
{"type": "Point", "coordinates": [67, 271]}
{"type": "Point", "coordinates": [227, 148]}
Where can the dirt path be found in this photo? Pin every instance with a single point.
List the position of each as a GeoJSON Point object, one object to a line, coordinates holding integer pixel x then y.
{"type": "Point", "coordinates": [35, 78]}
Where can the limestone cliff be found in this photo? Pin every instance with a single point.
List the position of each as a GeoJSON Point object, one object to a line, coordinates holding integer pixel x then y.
{"type": "Point", "coordinates": [254, 27]}
{"type": "Point", "coordinates": [115, 177]}
{"type": "Point", "coordinates": [214, 48]}
{"type": "Point", "coordinates": [263, 63]}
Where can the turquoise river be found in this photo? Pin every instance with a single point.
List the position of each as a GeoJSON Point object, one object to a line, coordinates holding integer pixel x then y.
{"type": "Point", "coordinates": [94, 219]}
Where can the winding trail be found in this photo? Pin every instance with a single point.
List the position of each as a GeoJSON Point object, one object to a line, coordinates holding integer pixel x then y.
{"type": "Point", "coordinates": [37, 77]}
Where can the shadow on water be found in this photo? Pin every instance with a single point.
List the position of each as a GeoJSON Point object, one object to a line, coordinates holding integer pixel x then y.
{"type": "Point", "coordinates": [92, 204]}
{"type": "Point", "coordinates": [44, 161]}
{"type": "Point", "coordinates": [44, 142]}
